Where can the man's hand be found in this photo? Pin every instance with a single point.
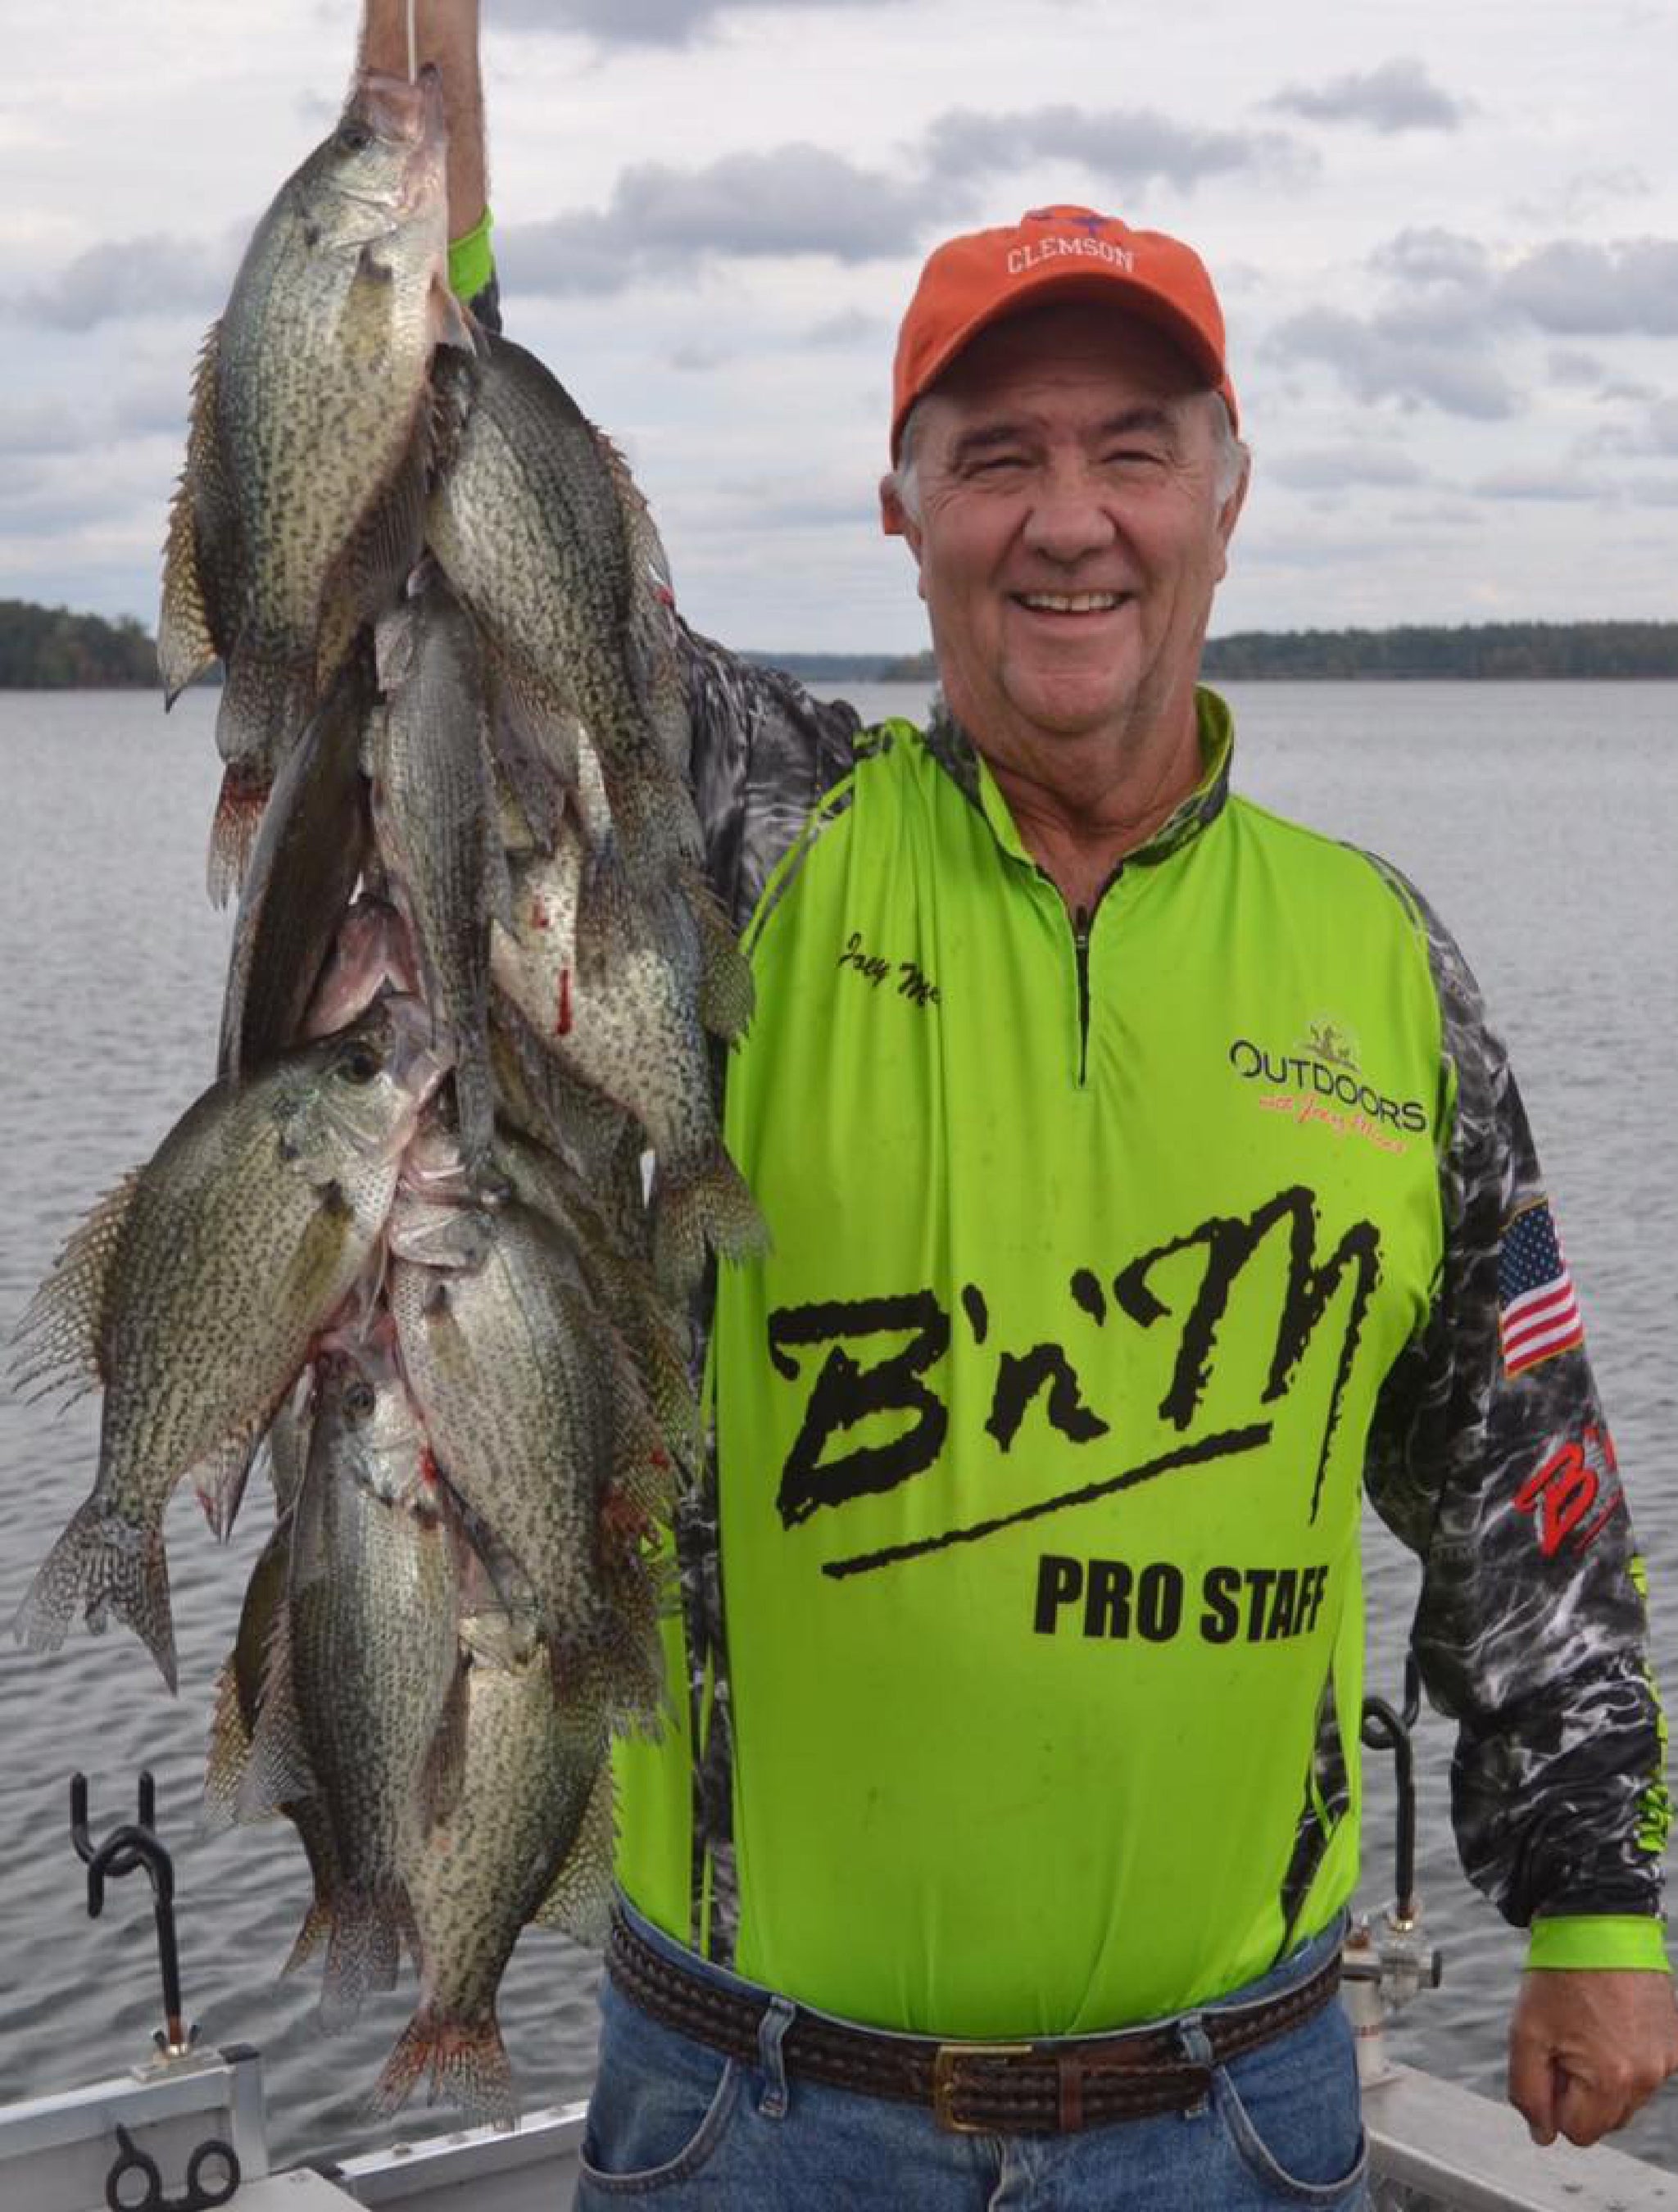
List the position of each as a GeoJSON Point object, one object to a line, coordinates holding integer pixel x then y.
{"type": "Point", "coordinates": [445, 32]}
{"type": "Point", "coordinates": [1586, 2047]}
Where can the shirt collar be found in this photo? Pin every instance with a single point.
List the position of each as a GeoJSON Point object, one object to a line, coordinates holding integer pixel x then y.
{"type": "Point", "coordinates": [956, 753]}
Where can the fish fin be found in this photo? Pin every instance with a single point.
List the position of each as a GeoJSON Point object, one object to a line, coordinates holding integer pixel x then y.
{"type": "Point", "coordinates": [466, 2061]}
{"type": "Point", "coordinates": [228, 1754]}
{"type": "Point", "coordinates": [531, 783]}
{"type": "Point", "coordinates": [191, 626]}
{"type": "Point", "coordinates": [712, 1209]}
{"type": "Point", "coordinates": [727, 991]}
{"type": "Point", "coordinates": [609, 921]}
{"type": "Point", "coordinates": [363, 1948]}
{"type": "Point", "coordinates": [314, 1832]}
{"type": "Point", "coordinates": [367, 578]}
{"type": "Point", "coordinates": [104, 1564]}
{"type": "Point", "coordinates": [277, 1770]}
{"type": "Point", "coordinates": [455, 324]}
{"type": "Point", "coordinates": [220, 1478]}
{"type": "Point", "coordinates": [579, 1899]}
{"type": "Point", "coordinates": [623, 1665]}
{"type": "Point", "coordinates": [267, 697]}
{"type": "Point", "coordinates": [234, 832]}
{"type": "Point", "coordinates": [443, 1771]}
{"type": "Point", "coordinates": [59, 1334]}
{"type": "Point", "coordinates": [316, 1927]}
{"type": "Point", "coordinates": [474, 1100]}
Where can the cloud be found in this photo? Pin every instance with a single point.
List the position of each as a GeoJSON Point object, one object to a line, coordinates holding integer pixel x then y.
{"type": "Point", "coordinates": [805, 199]}
{"type": "Point", "coordinates": [792, 199]}
{"type": "Point", "coordinates": [30, 428]}
{"type": "Point", "coordinates": [1386, 358]}
{"type": "Point", "coordinates": [1575, 289]}
{"type": "Point", "coordinates": [1546, 483]}
{"type": "Point", "coordinates": [637, 22]}
{"type": "Point", "coordinates": [1432, 256]}
{"type": "Point", "coordinates": [1398, 95]}
{"type": "Point", "coordinates": [1580, 198]}
{"type": "Point", "coordinates": [1128, 148]}
{"type": "Point", "coordinates": [1567, 365]}
{"type": "Point", "coordinates": [155, 274]}
{"type": "Point", "coordinates": [1336, 468]}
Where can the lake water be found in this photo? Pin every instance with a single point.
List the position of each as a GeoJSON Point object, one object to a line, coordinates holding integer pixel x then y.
{"type": "Point", "coordinates": [1541, 819]}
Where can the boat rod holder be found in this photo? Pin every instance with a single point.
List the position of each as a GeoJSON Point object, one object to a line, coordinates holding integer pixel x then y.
{"type": "Point", "coordinates": [1384, 1967]}
{"type": "Point", "coordinates": [137, 1844]}
{"type": "Point", "coordinates": [1383, 1729]}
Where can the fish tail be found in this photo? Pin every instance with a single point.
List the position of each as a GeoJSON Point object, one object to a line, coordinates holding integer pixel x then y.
{"type": "Point", "coordinates": [233, 831]}
{"type": "Point", "coordinates": [465, 2060]}
{"type": "Point", "coordinates": [104, 1564]}
{"type": "Point", "coordinates": [712, 1209]}
{"type": "Point", "coordinates": [363, 1950]}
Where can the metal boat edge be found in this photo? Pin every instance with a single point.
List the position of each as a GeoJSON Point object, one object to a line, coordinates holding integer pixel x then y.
{"type": "Point", "coordinates": [1435, 2146]}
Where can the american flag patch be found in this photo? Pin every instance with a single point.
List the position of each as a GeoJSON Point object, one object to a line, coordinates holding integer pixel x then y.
{"type": "Point", "coordinates": [1537, 1308]}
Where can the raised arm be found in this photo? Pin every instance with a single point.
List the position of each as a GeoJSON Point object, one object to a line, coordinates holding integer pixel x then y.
{"type": "Point", "coordinates": [445, 33]}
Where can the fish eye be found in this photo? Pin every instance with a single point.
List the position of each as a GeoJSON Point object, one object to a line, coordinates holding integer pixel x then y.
{"type": "Point", "coordinates": [359, 1400]}
{"type": "Point", "coordinates": [354, 137]}
{"type": "Point", "coordinates": [359, 1064]}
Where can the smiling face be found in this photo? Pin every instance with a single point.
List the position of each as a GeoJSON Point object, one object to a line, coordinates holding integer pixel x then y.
{"type": "Point", "coordinates": [1070, 534]}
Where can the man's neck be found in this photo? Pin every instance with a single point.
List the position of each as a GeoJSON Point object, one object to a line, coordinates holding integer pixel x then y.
{"type": "Point", "coordinates": [1080, 820]}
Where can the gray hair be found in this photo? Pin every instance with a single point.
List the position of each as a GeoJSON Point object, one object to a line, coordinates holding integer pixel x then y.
{"type": "Point", "coordinates": [1232, 461]}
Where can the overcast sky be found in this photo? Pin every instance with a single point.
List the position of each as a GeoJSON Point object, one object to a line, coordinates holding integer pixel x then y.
{"type": "Point", "coordinates": [1446, 237]}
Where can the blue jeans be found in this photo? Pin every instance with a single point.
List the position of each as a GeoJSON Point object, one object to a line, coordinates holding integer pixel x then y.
{"type": "Point", "coordinates": [675, 2122]}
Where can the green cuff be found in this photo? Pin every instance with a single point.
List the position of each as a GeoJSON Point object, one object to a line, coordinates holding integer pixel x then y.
{"type": "Point", "coordinates": [1599, 1939]}
{"type": "Point", "coordinates": [471, 261]}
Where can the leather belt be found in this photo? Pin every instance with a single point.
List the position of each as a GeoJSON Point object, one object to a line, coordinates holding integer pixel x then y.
{"type": "Point", "coordinates": [1045, 2087]}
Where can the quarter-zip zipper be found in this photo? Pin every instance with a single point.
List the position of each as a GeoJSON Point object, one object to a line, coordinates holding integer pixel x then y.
{"type": "Point", "coordinates": [1081, 946]}
{"type": "Point", "coordinates": [1083, 921]}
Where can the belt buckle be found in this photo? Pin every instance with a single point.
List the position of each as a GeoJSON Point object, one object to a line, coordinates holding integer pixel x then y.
{"type": "Point", "coordinates": [945, 2060]}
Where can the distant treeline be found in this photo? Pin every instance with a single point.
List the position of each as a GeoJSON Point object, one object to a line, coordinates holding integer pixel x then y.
{"type": "Point", "coordinates": [1494, 651]}
{"type": "Point", "coordinates": [49, 648]}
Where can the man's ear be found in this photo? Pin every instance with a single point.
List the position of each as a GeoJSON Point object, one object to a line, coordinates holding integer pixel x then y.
{"type": "Point", "coordinates": [894, 519]}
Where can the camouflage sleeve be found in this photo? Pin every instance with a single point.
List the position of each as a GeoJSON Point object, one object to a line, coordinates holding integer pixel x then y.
{"type": "Point", "coordinates": [1490, 1459]}
{"type": "Point", "coordinates": [764, 752]}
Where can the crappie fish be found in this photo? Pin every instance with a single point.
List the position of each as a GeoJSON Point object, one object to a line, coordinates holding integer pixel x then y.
{"type": "Point", "coordinates": [529, 1836]}
{"type": "Point", "coordinates": [436, 818]}
{"type": "Point", "coordinates": [527, 524]}
{"type": "Point", "coordinates": [248, 1677]}
{"type": "Point", "coordinates": [192, 1291]}
{"type": "Point", "coordinates": [651, 1325]}
{"type": "Point", "coordinates": [362, 1667]}
{"type": "Point", "coordinates": [372, 952]}
{"type": "Point", "coordinates": [301, 504]}
{"type": "Point", "coordinates": [653, 633]}
{"type": "Point", "coordinates": [303, 872]}
{"type": "Point", "coordinates": [634, 1033]}
{"type": "Point", "coordinates": [532, 1407]}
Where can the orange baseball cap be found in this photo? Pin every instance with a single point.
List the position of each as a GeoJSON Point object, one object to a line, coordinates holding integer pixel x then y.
{"type": "Point", "coordinates": [1053, 252]}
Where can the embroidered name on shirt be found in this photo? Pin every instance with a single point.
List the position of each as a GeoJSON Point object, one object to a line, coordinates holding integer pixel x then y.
{"type": "Point", "coordinates": [911, 982]}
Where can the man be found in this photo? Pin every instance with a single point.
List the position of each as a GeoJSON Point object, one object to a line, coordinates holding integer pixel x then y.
{"type": "Point", "coordinates": [1144, 1185]}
